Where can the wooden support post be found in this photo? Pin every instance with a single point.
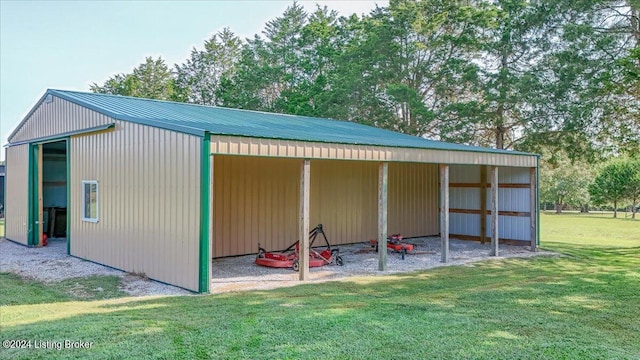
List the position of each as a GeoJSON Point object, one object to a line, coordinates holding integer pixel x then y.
{"type": "Point", "coordinates": [383, 175]}
{"type": "Point", "coordinates": [483, 204]}
{"type": "Point", "coordinates": [444, 212]}
{"type": "Point", "coordinates": [533, 212]}
{"type": "Point", "coordinates": [494, 211]}
{"type": "Point", "coordinates": [303, 234]}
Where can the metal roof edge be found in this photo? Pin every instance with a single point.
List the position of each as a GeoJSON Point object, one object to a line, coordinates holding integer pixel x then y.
{"type": "Point", "coordinates": [24, 120]}
{"type": "Point", "coordinates": [201, 105]}
{"type": "Point", "coordinates": [148, 122]}
{"type": "Point", "coordinates": [167, 125]}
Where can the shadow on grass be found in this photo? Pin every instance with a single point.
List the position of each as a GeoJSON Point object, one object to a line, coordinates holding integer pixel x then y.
{"type": "Point", "coordinates": [19, 291]}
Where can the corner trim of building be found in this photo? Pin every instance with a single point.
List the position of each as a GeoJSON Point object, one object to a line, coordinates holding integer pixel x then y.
{"type": "Point", "coordinates": [68, 159]}
{"type": "Point", "coordinates": [204, 282]}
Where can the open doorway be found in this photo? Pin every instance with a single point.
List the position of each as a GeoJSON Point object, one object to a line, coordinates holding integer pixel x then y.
{"type": "Point", "coordinates": [54, 190]}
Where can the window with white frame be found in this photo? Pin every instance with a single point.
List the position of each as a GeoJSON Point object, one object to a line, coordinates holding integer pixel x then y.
{"type": "Point", "coordinates": [90, 200]}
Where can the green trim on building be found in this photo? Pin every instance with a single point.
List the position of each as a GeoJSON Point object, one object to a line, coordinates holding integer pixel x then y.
{"type": "Point", "coordinates": [68, 159]}
{"type": "Point", "coordinates": [32, 216]}
{"type": "Point", "coordinates": [205, 217]}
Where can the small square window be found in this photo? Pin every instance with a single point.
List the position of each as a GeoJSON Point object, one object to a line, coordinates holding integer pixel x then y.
{"type": "Point", "coordinates": [90, 200]}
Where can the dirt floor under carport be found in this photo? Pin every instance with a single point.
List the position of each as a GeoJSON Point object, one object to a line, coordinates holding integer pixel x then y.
{"type": "Point", "coordinates": [241, 273]}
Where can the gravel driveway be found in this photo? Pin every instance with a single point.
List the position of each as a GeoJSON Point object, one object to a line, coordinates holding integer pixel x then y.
{"type": "Point", "coordinates": [52, 264]}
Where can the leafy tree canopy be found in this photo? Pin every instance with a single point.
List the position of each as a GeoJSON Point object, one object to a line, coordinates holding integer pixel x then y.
{"type": "Point", "coordinates": [524, 75]}
{"type": "Point", "coordinates": [151, 79]}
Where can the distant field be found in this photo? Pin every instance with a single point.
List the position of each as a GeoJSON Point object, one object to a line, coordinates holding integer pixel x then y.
{"type": "Point", "coordinates": [590, 229]}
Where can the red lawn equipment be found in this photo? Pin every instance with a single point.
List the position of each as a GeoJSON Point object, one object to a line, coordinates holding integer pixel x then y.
{"type": "Point", "coordinates": [288, 258]}
{"type": "Point", "coordinates": [394, 242]}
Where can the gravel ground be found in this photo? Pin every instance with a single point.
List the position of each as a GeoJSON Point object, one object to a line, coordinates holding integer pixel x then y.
{"type": "Point", "coordinates": [52, 264]}
{"type": "Point", "coordinates": [240, 273]}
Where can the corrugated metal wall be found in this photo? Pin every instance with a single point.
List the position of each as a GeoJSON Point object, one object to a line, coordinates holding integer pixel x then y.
{"type": "Point", "coordinates": [413, 199]}
{"type": "Point", "coordinates": [148, 201]}
{"type": "Point", "coordinates": [510, 199]}
{"type": "Point", "coordinates": [237, 145]}
{"type": "Point", "coordinates": [55, 118]}
{"type": "Point", "coordinates": [344, 199]}
{"type": "Point", "coordinates": [256, 200]}
{"type": "Point", "coordinates": [515, 200]}
{"type": "Point", "coordinates": [16, 197]}
{"type": "Point", "coordinates": [467, 198]}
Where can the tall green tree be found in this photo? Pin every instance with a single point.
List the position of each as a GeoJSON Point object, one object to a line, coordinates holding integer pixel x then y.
{"type": "Point", "coordinates": [403, 65]}
{"type": "Point", "coordinates": [634, 186]}
{"type": "Point", "coordinates": [624, 80]}
{"type": "Point", "coordinates": [503, 105]}
{"type": "Point", "coordinates": [270, 67]}
{"type": "Point", "coordinates": [510, 74]}
{"type": "Point", "coordinates": [589, 98]}
{"type": "Point", "coordinates": [614, 184]}
{"type": "Point", "coordinates": [565, 183]}
{"type": "Point", "coordinates": [202, 78]}
{"type": "Point", "coordinates": [151, 79]}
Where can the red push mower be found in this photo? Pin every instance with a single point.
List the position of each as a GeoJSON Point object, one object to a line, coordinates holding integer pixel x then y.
{"type": "Point", "coordinates": [289, 257]}
{"type": "Point", "coordinates": [395, 243]}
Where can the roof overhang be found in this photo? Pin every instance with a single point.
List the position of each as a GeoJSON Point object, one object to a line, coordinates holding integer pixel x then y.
{"type": "Point", "coordinates": [248, 146]}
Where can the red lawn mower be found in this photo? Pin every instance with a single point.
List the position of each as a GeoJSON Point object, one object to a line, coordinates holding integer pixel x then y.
{"type": "Point", "coordinates": [288, 258]}
{"type": "Point", "coordinates": [395, 243]}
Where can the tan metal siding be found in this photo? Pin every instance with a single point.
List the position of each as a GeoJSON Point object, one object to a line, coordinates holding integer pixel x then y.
{"type": "Point", "coordinates": [236, 145]}
{"type": "Point", "coordinates": [413, 199]}
{"type": "Point", "coordinates": [16, 197]}
{"type": "Point", "coordinates": [57, 117]}
{"type": "Point", "coordinates": [255, 201]}
{"type": "Point", "coordinates": [148, 201]}
{"type": "Point", "coordinates": [344, 199]}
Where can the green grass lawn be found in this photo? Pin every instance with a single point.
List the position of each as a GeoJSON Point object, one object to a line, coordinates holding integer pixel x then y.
{"type": "Point", "coordinates": [583, 305]}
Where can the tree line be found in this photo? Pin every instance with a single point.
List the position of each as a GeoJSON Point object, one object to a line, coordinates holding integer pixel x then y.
{"type": "Point", "coordinates": [511, 74]}
{"type": "Point", "coordinates": [555, 77]}
{"type": "Point", "coordinates": [612, 184]}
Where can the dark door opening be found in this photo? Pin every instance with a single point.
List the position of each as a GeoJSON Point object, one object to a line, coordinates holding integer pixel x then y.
{"type": "Point", "coordinates": [54, 189]}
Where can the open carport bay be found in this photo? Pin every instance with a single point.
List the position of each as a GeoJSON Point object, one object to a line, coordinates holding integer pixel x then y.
{"type": "Point", "coordinates": [241, 273]}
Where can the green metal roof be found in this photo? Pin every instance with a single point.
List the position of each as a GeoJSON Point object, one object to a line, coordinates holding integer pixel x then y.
{"type": "Point", "coordinates": [198, 119]}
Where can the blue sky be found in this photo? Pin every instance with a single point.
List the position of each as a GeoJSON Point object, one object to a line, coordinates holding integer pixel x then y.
{"type": "Point", "coordinates": [71, 44]}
